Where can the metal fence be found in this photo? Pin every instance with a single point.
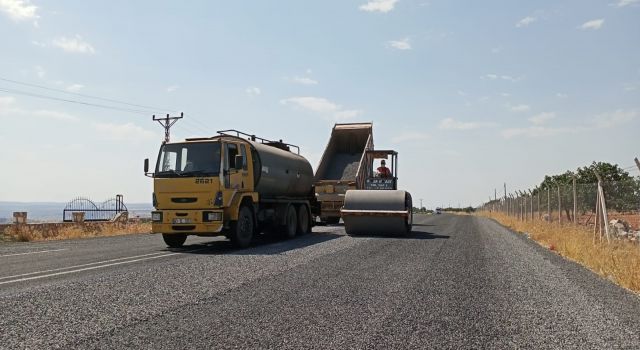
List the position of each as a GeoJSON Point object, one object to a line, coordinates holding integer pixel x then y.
{"type": "Point", "coordinates": [610, 208]}
{"type": "Point", "coordinates": [104, 211]}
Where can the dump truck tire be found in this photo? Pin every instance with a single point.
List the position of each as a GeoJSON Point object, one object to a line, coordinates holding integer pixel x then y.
{"type": "Point", "coordinates": [241, 232]}
{"type": "Point", "coordinates": [174, 240]}
{"type": "Point", "coordinates": [377, 212]}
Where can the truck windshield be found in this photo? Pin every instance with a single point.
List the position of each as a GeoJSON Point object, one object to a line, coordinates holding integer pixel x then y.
{"type": "Point", "coordinates": [189, 159]}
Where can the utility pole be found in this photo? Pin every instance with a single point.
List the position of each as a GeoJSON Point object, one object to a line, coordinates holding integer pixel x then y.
{"type": "Point", "coordinates": [167, 122]}
{"type": "Point", "coordinates": [420, 203]}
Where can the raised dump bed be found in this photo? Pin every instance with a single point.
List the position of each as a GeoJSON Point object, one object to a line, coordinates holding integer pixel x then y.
{"type": "Point", "coordinates": [341, 168]}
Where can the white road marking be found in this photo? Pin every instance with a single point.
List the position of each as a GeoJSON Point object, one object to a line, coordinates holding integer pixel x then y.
{"type": "Point", "coordinates": [141, 258]}
{"type": "Point", "coordinates": [76, 266]}
{"type": "Point", "coordinates": [37, 252]}
{"type": "Point", "coordinates": [86, 269]}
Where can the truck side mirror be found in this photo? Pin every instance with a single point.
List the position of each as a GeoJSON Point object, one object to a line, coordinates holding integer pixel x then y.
{"type": "Point", "coordinates": [146, 165]}
{"type": "Point", "coordinates": [239, 162]}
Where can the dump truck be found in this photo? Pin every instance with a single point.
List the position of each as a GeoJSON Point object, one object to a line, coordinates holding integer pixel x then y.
{"type": "Point", "coordinates": [232, 184]}
{"type": "Point", "coordinates": [341, 167]}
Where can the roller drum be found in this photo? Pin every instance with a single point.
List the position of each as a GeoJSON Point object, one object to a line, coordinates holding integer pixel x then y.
{"type": "Point", "coordinates": [368, 212]}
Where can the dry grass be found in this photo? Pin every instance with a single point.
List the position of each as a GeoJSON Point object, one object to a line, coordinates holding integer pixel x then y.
{"type": "Point", "coordinates": [618, 261]}
{"type": "Point", "coordinates": [59, 231]}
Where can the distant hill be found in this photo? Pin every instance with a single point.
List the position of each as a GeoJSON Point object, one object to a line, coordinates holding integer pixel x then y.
{"type": "Point", "coordinates": [52, 211]}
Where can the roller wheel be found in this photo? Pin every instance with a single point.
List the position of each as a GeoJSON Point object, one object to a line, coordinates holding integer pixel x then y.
{"type": "Point", "coordinates": [241, 231]}
{"type": "Point", "coordinates": [291, 222]}
{"type": "Point", "coordinates": [303, 220]}
{"type": "Point", "coordinates": [174, 240]}
{"type": "Point", "coordinates": [332, 220]}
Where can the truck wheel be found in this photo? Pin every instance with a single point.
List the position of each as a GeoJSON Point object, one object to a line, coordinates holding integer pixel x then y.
{"type": "Point", "coordinates": [241, 231]}
{"type": "Point", "coordinates": [174, 240]}
{"type": "Point", "coordinates": [332, 220]}
{"type": "Point", "coordinates": [303, 219]}
{"type": "Point", "coordinates": [291, 225]}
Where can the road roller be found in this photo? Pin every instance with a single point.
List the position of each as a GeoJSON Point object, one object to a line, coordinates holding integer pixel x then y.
{"type": "Point", "coordinates": [379, 208]}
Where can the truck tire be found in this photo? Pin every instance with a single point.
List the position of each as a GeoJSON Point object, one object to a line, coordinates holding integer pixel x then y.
{"type": "Point", "coordinates": [303, 219]}
{"type": "Point", "coordinates": [291, 222]}
{"type": "Point", "coordinates": [241, 231]}
{"type": "Point", "coordinates": [174, 240]}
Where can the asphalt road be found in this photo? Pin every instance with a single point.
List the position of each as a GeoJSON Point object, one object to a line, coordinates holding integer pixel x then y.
{"type": "Point", "coordinates": [455, 282]}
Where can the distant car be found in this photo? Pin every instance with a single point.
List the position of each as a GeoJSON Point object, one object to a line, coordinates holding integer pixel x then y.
{"type": "Point", "coordinates": [438, 211]}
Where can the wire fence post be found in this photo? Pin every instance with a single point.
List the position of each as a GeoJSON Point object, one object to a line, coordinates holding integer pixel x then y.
{"type": "Point", "coordinates": [549, 204]}
{"type": "Point", "coordinates": [575, 202]}
{"type": "Point", "coordinates": [603, 205]}
{"type": "Point", "coordinates": [559, 207]}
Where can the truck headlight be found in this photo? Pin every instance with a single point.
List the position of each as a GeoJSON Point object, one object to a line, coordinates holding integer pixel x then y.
{"type": "Point", "coordinates": [212, 216]}
{"type": "Point", "coordinates": [156, 216]}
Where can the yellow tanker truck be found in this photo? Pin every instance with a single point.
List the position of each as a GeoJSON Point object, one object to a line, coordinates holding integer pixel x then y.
{"type": "Point", "coordinates": [232, 184]}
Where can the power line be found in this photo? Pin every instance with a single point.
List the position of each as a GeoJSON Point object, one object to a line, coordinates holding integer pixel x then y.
{"type": "Point", "coordinates": [151, 108]}
{"type": "Point", "coordinates": [195, 123]}
{"type": "Point", "coordinates": [18, 92]}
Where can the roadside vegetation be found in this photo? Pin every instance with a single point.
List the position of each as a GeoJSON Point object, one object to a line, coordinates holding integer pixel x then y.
{"type": "Point", "coordinates": [60, 231]}
{"type": "Point", "coordinates": [618, 261]}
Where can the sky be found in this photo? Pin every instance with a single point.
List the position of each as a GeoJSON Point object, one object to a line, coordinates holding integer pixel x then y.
{"type": "Point", "coordinates": [471, 94]}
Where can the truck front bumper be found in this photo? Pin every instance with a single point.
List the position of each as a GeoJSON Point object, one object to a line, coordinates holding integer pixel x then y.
{"type": "Point", "coordinates": [196, 222]}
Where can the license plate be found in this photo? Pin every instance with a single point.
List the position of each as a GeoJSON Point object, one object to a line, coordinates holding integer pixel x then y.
{"type": "Point", "coordinates": [181, 221]}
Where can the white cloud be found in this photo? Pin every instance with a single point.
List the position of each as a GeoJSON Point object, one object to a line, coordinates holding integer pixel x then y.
{"type": "Point", "coordinates": [74, 45]}
{"type": "Point", "coordinates": [40, 72]}
{"type": "Point", "coordinates": [519, 108]}
{"type": "Point", "coordinates": [75, 87]}
{"type": "Point", "coordinates": [19, 10]}
{"type": "Point", "coordinates": [561, 95]}
{"type": "Point", "coordinates": [611, 119]}
{"type": "Point", "coordinates": [172, 88]}
{"type": "Point", "coordinates": [534, 131]}
{"type": "Point", "coordinates": [39, 43]}
{"type": "Point", "coordinates": [126, 131]}
{"type": "Point", "coordinates": [379, 6]}
{"type": "Point", "coordinates": [55, 115]}
{"type": "Point", "coordinates": [542, 118]}
{"type": "Point", "coordinates": [8, 106]}
{"type": "Point", "coordinates": [6, 102]}
{"type": "Point", "coordinates": [253, 91]}
{"type": "Point", "coordinates": [314, 104]}
{"type": "Point", "coordinates": [525, 21]}
{"type": "Point", "coordinates": [402, 44]}
{"type": "Point", "coordinates": [304, 81]}
{"type": "Point", "coordinates": [410, 136]}
{"type": "Point", "coordinates": [452, 124]}
{"type": "Point", "coordinates": [603, 121]}
{"type": "Point", "coordinates": [347, 114]}
{"type": "Point", "coordinates": [593, 24]}
{"type": "Point", "coordinates": [496, 50]}
{"type": "Point", "coordinates": [623, 3]}
{"type": "Point", "coordinates": [500, 77]}
{"type": "Point", "coordinates": [322, 106]}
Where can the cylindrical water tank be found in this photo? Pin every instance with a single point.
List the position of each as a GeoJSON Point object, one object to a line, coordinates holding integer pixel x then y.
{"type": "Point", "coordinates": [281, 173]}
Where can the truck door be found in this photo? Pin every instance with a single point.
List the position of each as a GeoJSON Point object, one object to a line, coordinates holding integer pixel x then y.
{"type": "Point", "coordinates": [235, 176]}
